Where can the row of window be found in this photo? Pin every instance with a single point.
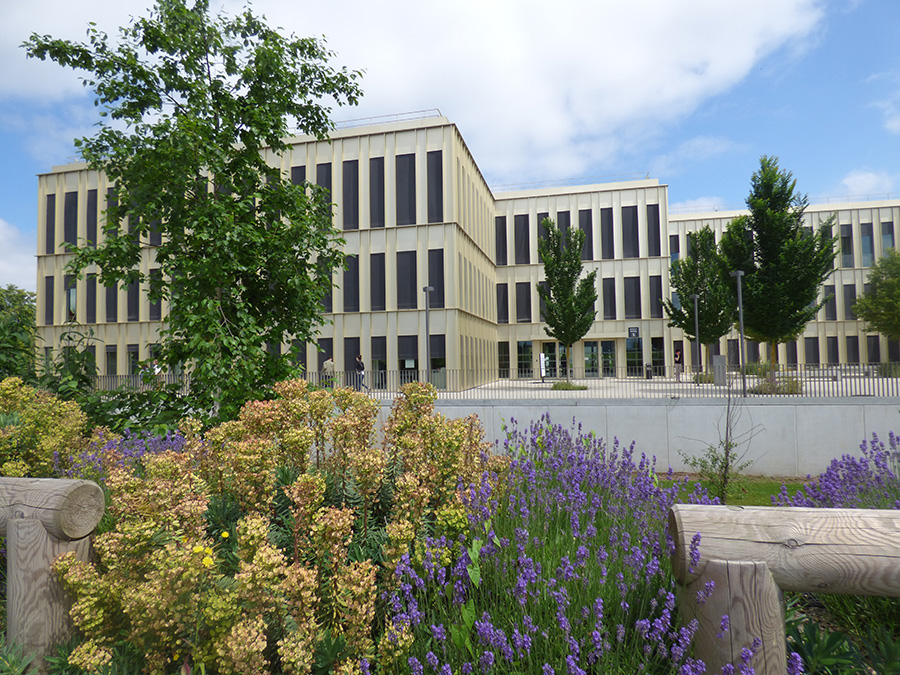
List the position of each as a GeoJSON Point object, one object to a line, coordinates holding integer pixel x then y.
{"type": "Point", "coordinates": [632, 292]}
{"type": "Point", "coordinates": [70, 295]}
{"type": "Point", "coordinates": [867, 242]}
{"type": "Point", "coordinates": [630, 237]}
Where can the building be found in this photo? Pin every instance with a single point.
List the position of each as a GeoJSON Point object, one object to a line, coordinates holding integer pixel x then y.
{"type": "Point", "coordinates": [416, 211]}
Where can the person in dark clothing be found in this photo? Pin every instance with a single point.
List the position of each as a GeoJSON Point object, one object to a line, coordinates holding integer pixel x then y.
{"type": "Point", "coordinates": [361, 374]}
{"type": "Point", "coordinates": [679, 365]}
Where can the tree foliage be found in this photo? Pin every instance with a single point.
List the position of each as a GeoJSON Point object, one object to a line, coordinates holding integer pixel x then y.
{"type": "Point", "coordinates": [784, 263]}
{"type": "Point", "coordinates": [704, 273]}
{"type": "Point", "coordinates": [17, 333]}
{"type": "Point", "coordinates": [194, 110]}
{"type": "Point", "coordinates": [569, 302]}
{"type": "Point", "coordinates": [880, 306]}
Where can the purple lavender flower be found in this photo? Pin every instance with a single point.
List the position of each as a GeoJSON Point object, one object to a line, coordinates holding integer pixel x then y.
{"type": "Point", "coordinates": [415, 667]}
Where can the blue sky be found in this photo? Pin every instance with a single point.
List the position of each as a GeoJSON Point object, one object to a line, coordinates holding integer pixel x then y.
{"type": "Point", "coordinates": [691, 92]}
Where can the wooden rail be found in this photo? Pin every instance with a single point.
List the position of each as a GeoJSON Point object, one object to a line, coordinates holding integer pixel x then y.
{"type": "Point", "coordinates": [752, 554]}
{"type": "Point", "coordinates": [43, 518]}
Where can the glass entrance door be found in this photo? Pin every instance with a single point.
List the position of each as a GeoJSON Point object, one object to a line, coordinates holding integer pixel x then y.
{"type": "Point", "coordinates": [608, 357]}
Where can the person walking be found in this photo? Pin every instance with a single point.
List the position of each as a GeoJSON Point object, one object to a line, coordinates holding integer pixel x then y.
{"type": "Point", "coordinates": [328, 373]}
{"type": "Point", "coordinates": [679, 365]}
{"type": "Point", "coordinates": [361, 374]}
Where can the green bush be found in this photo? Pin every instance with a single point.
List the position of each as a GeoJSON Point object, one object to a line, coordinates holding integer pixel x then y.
{"type": "Point", "coordinates": [565, 385]}
{"type": "Point", "coordinates": [780, 387]}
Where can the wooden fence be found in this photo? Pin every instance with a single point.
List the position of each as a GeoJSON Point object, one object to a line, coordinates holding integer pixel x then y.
{"type": "Point", "coordinates": [752, 554]}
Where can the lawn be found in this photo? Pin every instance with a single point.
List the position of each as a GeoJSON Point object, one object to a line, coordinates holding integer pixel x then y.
{"type": "Point", "coordinates": [757, 490]}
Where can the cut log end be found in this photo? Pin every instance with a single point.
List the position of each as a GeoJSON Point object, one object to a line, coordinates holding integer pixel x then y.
{"type": "Point", "coordinates": [81, 511]}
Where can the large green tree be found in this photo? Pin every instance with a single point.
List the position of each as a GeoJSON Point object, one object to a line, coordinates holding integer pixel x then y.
{"type": "Point", "coordinates": [880, 306]}
{"type": "Point", "coordinates": [784, 263]}
{"type": "Point", "coordinates": [703, 273]}
{"type": "Point", "coordinates": [194, 110]}
{"type": "Point", "coordinates": [17, 333]}
{"type": "Point", "coordinates": [569, 301]}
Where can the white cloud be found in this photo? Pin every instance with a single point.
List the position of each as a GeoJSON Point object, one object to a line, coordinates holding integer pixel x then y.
{"type": "Point", "coordinates": [862, 183]}
{"type": "Point", "coordinates": [17, 260]}
{"type": "Point", "coordinates": [696, 149]}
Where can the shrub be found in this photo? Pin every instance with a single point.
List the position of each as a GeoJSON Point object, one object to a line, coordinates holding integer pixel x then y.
{"type": "Point", "coordinates": [565, 385]}
{"type": "Point", "coordinates": [780, 387]}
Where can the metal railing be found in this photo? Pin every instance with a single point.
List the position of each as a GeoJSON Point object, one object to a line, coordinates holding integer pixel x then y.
{"type": "Point", "coordinates": [629, 382]}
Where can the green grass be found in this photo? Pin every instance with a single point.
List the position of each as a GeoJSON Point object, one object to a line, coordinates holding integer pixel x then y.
{"type": "Point", "coordinates": [758, 490]}
{"type": "Point", "coordinates": [566, 385]}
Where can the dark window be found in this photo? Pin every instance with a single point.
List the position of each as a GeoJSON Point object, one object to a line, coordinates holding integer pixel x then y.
{"type": "Point", "coordinates": [500, 237]}
{"type": "Point", "coordinates": [71, 291]}
{"type": "Point", "coordinates": [852, 349]}
{"type": "Point", "coordinates": [894, 351]}
{"type": "Point", "coordinates": [298, 349]}
{"type": "Point", "coordinates": [326, 300]}
{"type": "Point", "coordinates": [376, 282]}
{"type": "Point", "coordinates": [91, 220]}
{"type": "Point", "coordinates": [91, 351]}
{"type": "Point", "coordinates": [133, 300]}
{"type": "Point", "coordinates": [323, 176]}
{"type": "Point", "coordinates": [656, 308]}
{"type": "Point", "coordinates": [379, 361]}
{"type": "Point", "coordinates": [887, 236]}
{"type": "Point", "coordinates": [607, 244]}
{"type": "Point", "coordinates": [326, 351]}
{"type": "Point", "coordinates": [542, 229]}
{"type": "Point", "coordinates": [630, 247]}
{"type": "Point", "coordinates": [503, 359]}
{"type": "Point", "coordinates": [406, 189]}
{"type": "Point", "coordinates": [273, 348]}
{"type": "Point", "coordinates": [435, 167]}
{"type": "Point", "coordinates": [653, 236]}
{"type": "Point", "coordinates": [811, 347]}
{"type": "Point", "coordinates": [609, 299]}
{"type": "Point", "coordinates": [873, 349]}
{"type": "Point", "coordinates": [791, 349]}
{"type": "Point", "coordinates": [523, 302]}
{"type": "Point", "coordinates": [350, 202]}
{"type": "Point", "coordinates": [436, 278]}
{"type": "Point", "coordinates": [830, 303]}
{"type": "Point", "coordinates": [632, 297]}
{"type": "Point", "coordinates": [408, 351]}
{"type": "Point", "coordinates": [752, 351]}
{"type": "Point", "coordinates": [849, 301]}
{"type": "Point", "coordinates": [48, 301]}
{"type": "Point", "coordinates": [688, 242]}
{"type": "Point", "coordinates": [133, 359]}
{"type": "Point", "coordinates": [298, 175]}
{"type": "Point", "coordinates": [155, 305]}
{"type": "Point", "coordinates": [438, 347]}
{"type": "Point", "coordinates": [376, 192]}
{"type": "Point", "coordinates": [70, 218]}
{"type": "Point", "coordinates": [90, 298]}
{"type": "Point", "coordinates": [867, 241]}
{"type": "Point", "coordinates": [524, 358]}
{"type": "Point", "coordinates": [831, 342]}
{"type": "Point", "coordinates": [112, 360]}
{"type": "Point", "coordinates": [407, 287]}
{"type": "Point", "coordinates": [502, 303]}
{"type": "Point", "coordinates": [585, 224]}
{"type": "Point", "coordinates": [523, 248]}
{"type": "Point", "coordinates": [351, 284]}
{"type": "Point", "coordinates": [847, 245]}
{"type": "Point", "coordinates": [111, 224]}
{"type": "Point", "coordinates": [564, 222]}
{"type": "Point", "coordinates": [542, 304]}
{"type": "Point", "coordinates": [674, 247]}
{"type": "Point", "coordinates": [51, 225]}
{"type": "Point", "coordinates": [112, 303]}
{"type": "Point", "coordinates": [155, 232]}
{"type": "Point", "coordinates": [351, 349]}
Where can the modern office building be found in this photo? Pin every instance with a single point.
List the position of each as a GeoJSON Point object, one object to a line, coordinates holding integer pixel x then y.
{"type": "Point", "coordinates": [415, 211]}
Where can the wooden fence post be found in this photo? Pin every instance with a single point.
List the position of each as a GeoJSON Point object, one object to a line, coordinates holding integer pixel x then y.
{"type": "Point", "coordinates": [43, 518]}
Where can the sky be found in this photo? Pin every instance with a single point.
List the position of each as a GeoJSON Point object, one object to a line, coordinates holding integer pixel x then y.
{"type": "Point", "coordinates": [689, 92]}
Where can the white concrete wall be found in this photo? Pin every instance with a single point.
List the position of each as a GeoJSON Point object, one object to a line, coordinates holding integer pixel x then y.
{"type": "Point", "coordinates": [781, 437]}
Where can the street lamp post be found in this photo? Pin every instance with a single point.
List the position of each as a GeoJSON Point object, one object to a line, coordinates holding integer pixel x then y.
{"type": "Point", "coordinates": [696, 299]}
{"type": "Point", "coordinates": [427, 290]}
{"type": "Point", "coordinates": [738, 274]}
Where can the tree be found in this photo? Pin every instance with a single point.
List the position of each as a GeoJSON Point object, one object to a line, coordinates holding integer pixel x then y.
{"type": "Point", "coordinates": [569, 302]}
{"type": "Point", "coordinates": [17, 333]}
{"type": "Point", "coordinates": [784, 263]}
{"type": "Point", "coordinates": [189, 106]}
{"type": "Point", "coordinates": [880, 306]}
{"type": "Point", "coordinates": [703, 273]}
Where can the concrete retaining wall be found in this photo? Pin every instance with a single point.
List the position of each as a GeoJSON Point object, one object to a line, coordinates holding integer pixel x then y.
{"type": "Point", "coordinates": [782, 437]}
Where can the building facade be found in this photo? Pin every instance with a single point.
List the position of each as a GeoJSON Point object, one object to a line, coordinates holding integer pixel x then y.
{"type": "Point", "coordinates": [415, 212]}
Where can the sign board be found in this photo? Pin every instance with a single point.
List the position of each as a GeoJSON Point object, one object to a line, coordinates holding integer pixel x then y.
{"type": "Point", "coordinates": [634, 332]}
{"type": "Point", "coordinates": [543, 362]}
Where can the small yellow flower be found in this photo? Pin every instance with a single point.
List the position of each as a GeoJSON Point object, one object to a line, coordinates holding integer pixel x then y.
{"type": "Point", "coordinates": [207, 561]}
{"type": "Point", "coordinates": [197, 549]}
{"type": "Point", "coordinates": [208, 550]}
{"type": "Point", "coordinates": [224, 535]}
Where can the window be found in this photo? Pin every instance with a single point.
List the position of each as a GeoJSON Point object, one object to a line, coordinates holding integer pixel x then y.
{"type": "Point", "coordinates": [326, 300]}
{"type": "Point", "coordinates": [407, 287]}
{"type": "Point", "coordinates": [323, 176]}
{"type": "Point", "coordinates": [379, 362]}
{"type": "Point", "coordinates": [155, 232]}
{"type": "Point", "coordinates": [849, 301]}
{"type": "Point", "coordinates": [632, 297]}
{"type": "Point", "coordinates": [48, 301]}
{"type": "Point", "coordinates": [351, 349]}
{"type": "Point", "coordinates": [435, 170]}
{"type": "Point", "coordinates": [71, 297]}
{"type": "Point", "coordinates": [155, 305]}
{"type": "Point", "coordinates": [502, 303]}
{"type": "Point", "coordinates": [500, 239]}
{"type": "Point", "coordinates": [112, 360]}
{"type": "Point", "coordinates": [133, 363]}
{"type": "Point", "coordinates": [436, 278]}
{"type": "Point", "coordinates": [298, 349]}
{"type": "Point", "coordinates": [894, 351]}
{"type": "Point", "coordinates": [830, 303]}
{"type": "Point", "coordinates": [273, 349]}
{"type": "Point", "coordinates": [91, 219]}
{"type": "Point", "coordinates": [609, 299]}
{"type": "Point", "coordinates": [350, 200]}
{"type": "Point", "coordinates": [298, 175]}
{"type": "Point", "coordinates": [112, 304]}
{"type": "Point", "coordinates": [523, 302]}
{"type": "Point", "coordinates": [847, 245]}
{"type": "Point", "coordinates": [630, 246]}
{"type": "Point", "coordinates": [607, 245]}
{"type": "Point", "coordinates": [542, 304]}
{"type": "Point", "coordinates": [326, 351]}
{"type": "Point", "coordinates": [564, 222]}
{"type": "Point", "coordinates": [376, 192]}
{"type": "Point", "coordinates": [656, 307]}
{"type": "Point", "coordinates": [791, 349]}
{"type": "Point", "coordinates": [133, 300]}
{"type": "Point", "coordinates": [111, 226]}
{"type": "Point", "coordinates": [542, 230]}
{"type": "Point", "coordinates": [831, 343]}
{"type": "Point", "coordinates": [70, 218]}
{"type": "Point", "coordinates": [406, 189]}
{"type": "Point", "coordinates": [873, 349]}
{"type": "Point", "coordinates": [351, 284]}
{"type": "Point", "coordinates": [90, 298]}
{"type": "Point", "coordinates": [852, 349]}
{"type": "Point", "coordinates": [887, 236]}
{"type": "Point", "coordinates": [407, 354]}
{"type": "Point", "coordinates": [658, 356]}
{"type": "Point", "coordinates": [50, 222]}
{"type": "Point", "coordinates": [524, 358]}
{"type": "Point", "coordinates": [653, 236]}
{"type": "Point", "coordinates": [867, 244]}
{"type": "Point", "coordinates": [586, 225]}
{"type": "Point", "coordinates": [438, 348]}
{"type": "Point", "coordinates": [676, 300]}
{"type": "Point", "coordinates": [376, 282]}
{"type": "Point", "coordinates": [674, 247]}
{"type": "Point", "coordinates": [523, 246]}
{"type": "Point", "coordinates": [503, 359]}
